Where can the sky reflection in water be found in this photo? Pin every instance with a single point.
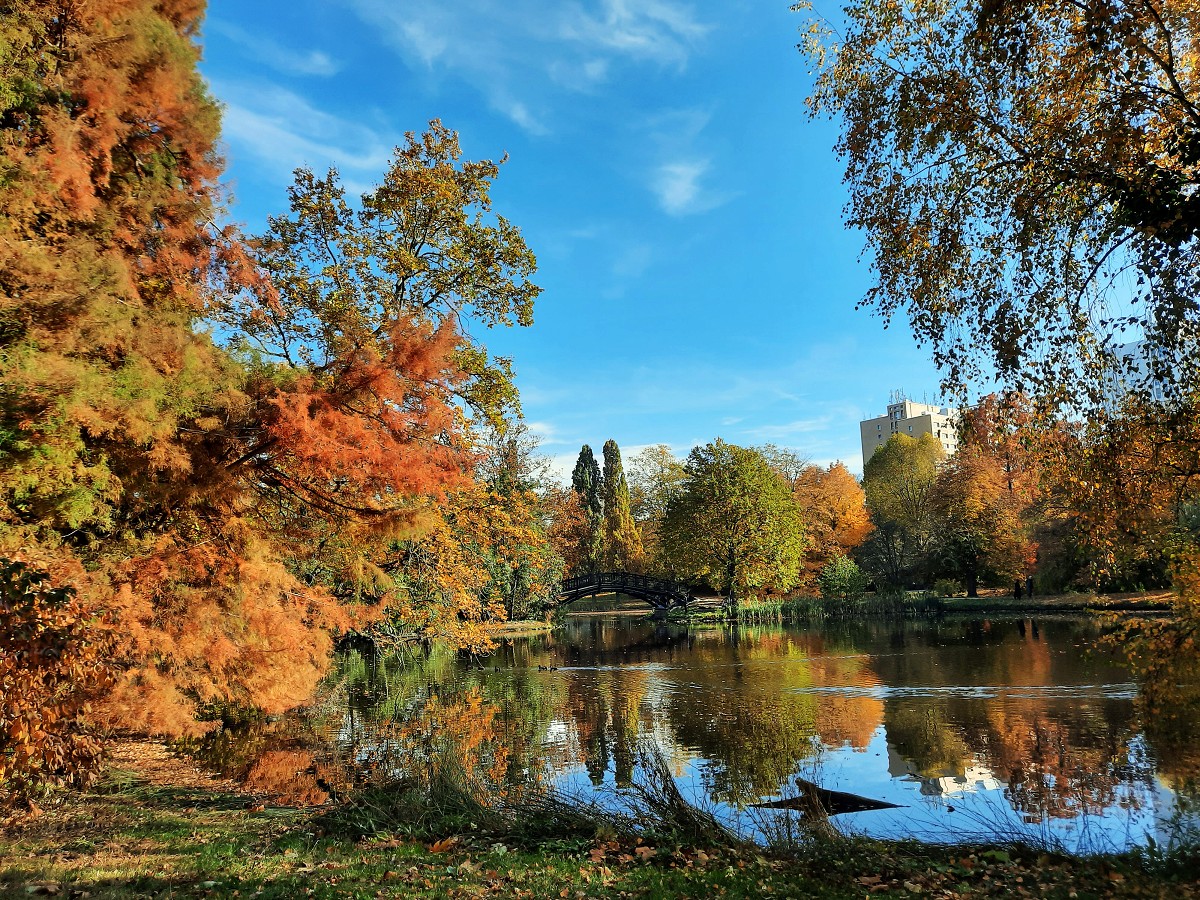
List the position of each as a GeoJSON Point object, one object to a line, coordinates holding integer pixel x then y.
{"type": "Point", "coordinates": [977, 728]}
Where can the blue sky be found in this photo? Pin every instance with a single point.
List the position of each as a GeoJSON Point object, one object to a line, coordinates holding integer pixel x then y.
{"type": "Point", "coordinates": [684, 210]}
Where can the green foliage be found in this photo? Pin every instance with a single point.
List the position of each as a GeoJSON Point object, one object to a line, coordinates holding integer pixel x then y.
{"type": "Point", "coordinates": [842, 579]}
{"type": "Point", "coordinates": [947, 587]}
{"type": "Point", "coordinates": [622, 542]}
{"type": "Point", "coordinates": [588, 483]}
{"type": "Point", "coordinates": [899, 481]}
{"type": "Point", "coordinates": [735, 524]}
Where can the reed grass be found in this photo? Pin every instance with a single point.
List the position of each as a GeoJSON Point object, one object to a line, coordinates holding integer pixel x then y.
{"type": "Point", "coordinates": [897, 605]}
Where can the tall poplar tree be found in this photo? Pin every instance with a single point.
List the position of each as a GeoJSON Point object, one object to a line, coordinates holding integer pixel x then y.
{"type": "Point", "coordinates": [622, 542]}
{"type": "Point", "coordinates": [587, 480]}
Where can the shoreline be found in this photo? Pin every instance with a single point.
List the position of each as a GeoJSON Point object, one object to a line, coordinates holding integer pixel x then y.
{"type": "Point", "coordinates": [156, 826]}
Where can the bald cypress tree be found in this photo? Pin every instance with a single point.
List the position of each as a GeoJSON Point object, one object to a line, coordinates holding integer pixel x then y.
{"type": "Point", "coordinates": [622, 541]}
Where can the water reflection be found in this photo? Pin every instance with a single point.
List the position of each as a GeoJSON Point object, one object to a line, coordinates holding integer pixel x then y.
{"type": "Point", "coordinates": [972, 726]}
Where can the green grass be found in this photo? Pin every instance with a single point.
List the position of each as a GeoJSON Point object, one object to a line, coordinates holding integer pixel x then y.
{"type": "Point", "coordinates": [136, 840]}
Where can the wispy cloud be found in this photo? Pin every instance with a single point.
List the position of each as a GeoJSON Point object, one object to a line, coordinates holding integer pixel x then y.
{"type": "Point", "coordinates": [278, 57]}
{"type": "Point", "coordinates": [678, 187]}
{"type": "Point", "coordinates": [789, 430]}
{"type": "Point", "coordinates": [681, 179]}
{"type": "Point", "coordinates": [522, 57]}
{"type": "Point", "coordinates": [285, 131]}
{"type": "Point", "coordinates": [655, 30]}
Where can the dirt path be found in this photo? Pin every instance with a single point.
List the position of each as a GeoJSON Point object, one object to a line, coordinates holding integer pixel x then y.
{"type": "Point", "coordinates": [154, 763]}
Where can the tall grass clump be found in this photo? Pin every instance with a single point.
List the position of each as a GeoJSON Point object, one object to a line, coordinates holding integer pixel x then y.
{"type": "Point", "coordinates": [448, 800]}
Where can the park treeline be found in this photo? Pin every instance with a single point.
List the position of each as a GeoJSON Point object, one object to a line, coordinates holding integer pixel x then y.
{"type": "Point", "coordinates": [219, 452]}
{"type": "Point", "coordinates": [1029, 498]}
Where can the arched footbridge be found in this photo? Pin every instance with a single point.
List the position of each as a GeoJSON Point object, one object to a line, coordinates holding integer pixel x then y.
{"type": "Point", "coordinates": [660, 593]}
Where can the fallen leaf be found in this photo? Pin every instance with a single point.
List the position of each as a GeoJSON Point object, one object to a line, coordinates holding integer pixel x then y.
{"type": "Point", "coordinates": [443, 845]}
{"type": "Point", "coordinates": [645, 853]}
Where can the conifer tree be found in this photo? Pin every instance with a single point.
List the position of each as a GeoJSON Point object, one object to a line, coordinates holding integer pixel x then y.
{"type": "Point", "coordinates": [587, 481]}
{"type": "Point", "coordinates": [622, 542]}
{"type": "Point", "coordinates": [218, 503]}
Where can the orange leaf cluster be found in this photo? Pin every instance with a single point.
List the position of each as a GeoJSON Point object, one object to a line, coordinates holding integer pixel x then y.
{"type": "Point", "coordinates": [52, 663]}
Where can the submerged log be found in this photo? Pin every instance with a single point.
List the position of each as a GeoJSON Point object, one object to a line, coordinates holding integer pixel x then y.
{"type": "Point", "coordinates": [816, 800]}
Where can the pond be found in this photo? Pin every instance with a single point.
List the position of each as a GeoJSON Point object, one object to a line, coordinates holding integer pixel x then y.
{"type": "Point", "coordinates": [975, 728]}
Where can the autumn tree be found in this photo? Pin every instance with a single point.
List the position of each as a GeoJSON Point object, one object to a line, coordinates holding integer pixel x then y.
{"type": "Point", "coordinates": [1025, 174]}
{"type": "Point", "coordinates": [588, 482]}
{"type": "Point", "coordinates": [1116, 491]}
{"type": "Point", "coordinates": [735, 523]}
{"type": "Point", "coordinates": [221, 504]}
{"type": "Point", "coordinates": [622, 542]}
{"type": "Point", "coordinates": [568, 526]}
{"type": "Point", "coordinates": [978, 530]}
{"type": "Point", "coordinates": [115, 404]}
{"type": "Point", "coordinates": [899, 480]}
{"type": "Point", "coordinates": [655, 476]}
{"type": "Point", "coordinates": [53, 664]}
{"type": "Point", "coordinates": [835, 514]}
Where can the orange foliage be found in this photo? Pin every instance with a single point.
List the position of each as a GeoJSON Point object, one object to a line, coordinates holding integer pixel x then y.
{"type": "Point", "coordinates": [216, 504]}
{"type": "Point", "coordinates": [218, 624]}
{"type": "Point", "coordinates": [1120, 487]}
{"type": "Point", "coordinates": [52, 662]}
{"type": "Point", "coordinates": [835, 509]}
{"type": "Point", "coordinates": [569, 528]}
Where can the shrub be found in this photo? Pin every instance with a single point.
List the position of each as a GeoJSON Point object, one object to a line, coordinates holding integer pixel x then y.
{"type": "Point", "coordinates": [842, 579]}
{"type": "Point", "coordinates": [51, 664]}
{"type": "Point", "coordinates": [947, 587]}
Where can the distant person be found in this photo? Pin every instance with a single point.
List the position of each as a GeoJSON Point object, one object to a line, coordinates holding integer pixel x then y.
{"type": "Point", "coordinates": [1017, 591]}
{"type": "Point", "coordinates": [1029, 586]}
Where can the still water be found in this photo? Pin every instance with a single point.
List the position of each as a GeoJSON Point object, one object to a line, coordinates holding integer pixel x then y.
{"type": "Point", "coordinates": [979, 728]}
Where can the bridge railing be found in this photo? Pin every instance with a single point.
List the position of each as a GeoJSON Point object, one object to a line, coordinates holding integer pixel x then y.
{"type": "Point", "coordinates": [616, 581]}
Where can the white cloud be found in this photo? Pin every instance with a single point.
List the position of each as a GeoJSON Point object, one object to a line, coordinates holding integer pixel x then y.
{"type": "Point", "coordinates": [655, 30]}
{"type": "Point", "coordinates": [545, 432]}
{"type": "Point", "coordinates": [284, 131]}
{"type": "Point", "coordinates": [283, 59]}
{"type": "Point", "coordinates": [677, 186]}
{"type": "Point", "coordinates": [522, 57]}
{"type": "Point", "coordinates": [681, 180]}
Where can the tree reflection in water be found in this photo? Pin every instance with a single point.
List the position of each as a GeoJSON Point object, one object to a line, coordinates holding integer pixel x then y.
{"type": "Point", "coordinates": [908, 712]}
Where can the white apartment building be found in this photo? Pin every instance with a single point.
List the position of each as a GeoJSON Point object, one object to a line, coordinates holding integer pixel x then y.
{"type": "Point", "coordinates": [905, 416]}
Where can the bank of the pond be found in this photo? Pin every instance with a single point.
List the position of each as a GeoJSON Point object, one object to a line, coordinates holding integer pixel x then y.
{"type": "Point", "coordinates": [923, 604]}
{"type": "Point", "coordinates": [520, 628]}
{"type": "Point", "coordinates": [162, 832]}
